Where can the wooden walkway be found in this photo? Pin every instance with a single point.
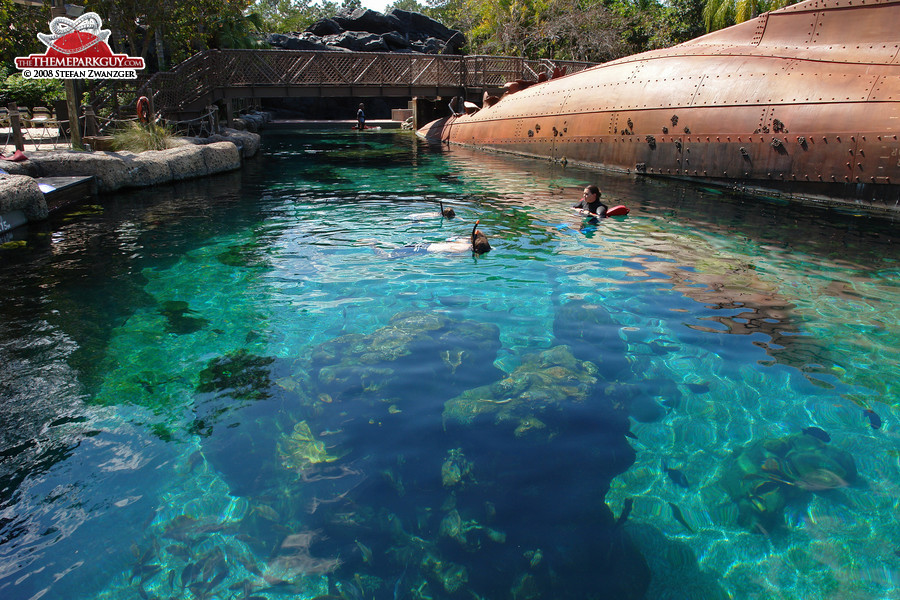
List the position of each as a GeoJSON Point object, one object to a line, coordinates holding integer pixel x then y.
{"type": "Point", "coordinates": [215, 75]}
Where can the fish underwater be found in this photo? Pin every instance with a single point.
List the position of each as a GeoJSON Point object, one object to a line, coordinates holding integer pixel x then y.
{"type": "Point", "coordinates": [676, 513]}
{"type": "Point", "coordinates": [874, 419]}
{"type": "Point", "coordinates": [676, 476]}
{"type": "Point", "coordinates": [817, 433]}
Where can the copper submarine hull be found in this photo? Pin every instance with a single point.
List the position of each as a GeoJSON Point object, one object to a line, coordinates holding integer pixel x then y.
{"type": "Point", "coordinates": [803, 101]}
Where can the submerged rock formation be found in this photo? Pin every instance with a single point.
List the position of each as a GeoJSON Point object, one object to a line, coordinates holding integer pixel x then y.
{"type": "Point", "coordinates": [766, 476]}
{"type": "Point", "coordinates": [365, 30]}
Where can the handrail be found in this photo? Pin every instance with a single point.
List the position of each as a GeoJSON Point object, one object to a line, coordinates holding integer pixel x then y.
{"type": "Point", "coordinates": [198, 79]}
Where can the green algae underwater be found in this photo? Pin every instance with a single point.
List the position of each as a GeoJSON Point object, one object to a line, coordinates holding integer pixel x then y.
{"type": "Point", "coordinates": [264, 385]}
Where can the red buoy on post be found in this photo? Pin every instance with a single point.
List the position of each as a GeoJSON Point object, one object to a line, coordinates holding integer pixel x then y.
{"type": "Point", "coordinates": [143, 109]}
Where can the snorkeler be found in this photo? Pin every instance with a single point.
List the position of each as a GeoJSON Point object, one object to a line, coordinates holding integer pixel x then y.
{"type": "Point", "coordinates": [476, 243]}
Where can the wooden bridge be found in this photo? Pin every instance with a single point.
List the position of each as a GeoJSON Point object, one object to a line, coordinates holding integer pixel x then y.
{"type": "Point", "coordinates": [222, 75]}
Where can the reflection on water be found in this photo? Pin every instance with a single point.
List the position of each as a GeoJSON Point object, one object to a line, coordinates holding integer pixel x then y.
{"type": "Point", "coordinates": [228, 389]}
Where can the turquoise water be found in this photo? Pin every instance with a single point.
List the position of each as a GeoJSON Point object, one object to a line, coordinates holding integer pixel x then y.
{"type": "Point", "coordinates": [264, 386]}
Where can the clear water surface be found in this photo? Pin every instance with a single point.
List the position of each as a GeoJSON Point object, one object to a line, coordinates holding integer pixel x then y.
{"type": "Point", "coordinates": [267, 385]}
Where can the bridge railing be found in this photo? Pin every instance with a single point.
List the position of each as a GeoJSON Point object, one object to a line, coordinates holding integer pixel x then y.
{"type": "Point", "coordinates": [209, 75]}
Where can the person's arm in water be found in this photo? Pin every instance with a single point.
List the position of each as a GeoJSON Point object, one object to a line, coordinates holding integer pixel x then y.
{"type": "Point", "coordinates": [587, 213]}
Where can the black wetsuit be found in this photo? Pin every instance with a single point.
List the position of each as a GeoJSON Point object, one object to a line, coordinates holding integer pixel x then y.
{"type": "Point", "coordinates": [598, 208]}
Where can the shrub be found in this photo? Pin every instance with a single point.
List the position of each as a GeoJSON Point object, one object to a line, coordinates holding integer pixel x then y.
{"type": "Point", "coordinates": [136, 137]}
{"type": "Point", "coordinates": [31, 92]}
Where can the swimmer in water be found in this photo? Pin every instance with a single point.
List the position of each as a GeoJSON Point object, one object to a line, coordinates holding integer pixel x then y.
{"type": "Point", "coordinates": [590, 205]}
{"type": "Point", "coordinates": [477, 243]}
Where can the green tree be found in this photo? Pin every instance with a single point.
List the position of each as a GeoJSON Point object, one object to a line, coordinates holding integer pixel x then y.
{"type": "Point", "coordinates": [683, 21]}
{"type": "Point", "coordinates": [409, 5]}
{"type": "Point", "coordinates": [19, 26]}
{"type": "Point", "coordinates": [723, 13]}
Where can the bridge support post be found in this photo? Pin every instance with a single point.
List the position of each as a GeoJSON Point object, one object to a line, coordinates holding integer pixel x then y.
{"type": "Point", "coordinates": [229, 112]}
{"type": "Point", "coordinates": [16, 125]}
{"type": "Point", "coordinates": [426, 110]}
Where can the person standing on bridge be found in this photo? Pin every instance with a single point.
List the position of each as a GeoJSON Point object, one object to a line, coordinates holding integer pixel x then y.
{"type": "Point", "coordinates": [361, 117]}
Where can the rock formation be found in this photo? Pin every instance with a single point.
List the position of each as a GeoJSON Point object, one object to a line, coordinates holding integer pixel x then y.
{"type": "Point", "coordinates": [365, 30]}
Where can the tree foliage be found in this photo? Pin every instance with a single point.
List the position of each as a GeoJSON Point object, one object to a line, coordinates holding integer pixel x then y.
{"type": "Point", "coordinates": [19, 26]}
{"type": "Point", "coordinates": [165, 33]}
{"type": "Point", "coordinates": [722, 13]}
{"type": "Point", "coordinates": [29, 92]}
{"type": "Point", "coordinates": [281, 16]}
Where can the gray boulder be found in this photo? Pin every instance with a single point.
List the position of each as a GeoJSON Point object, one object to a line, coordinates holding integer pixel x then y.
{"type": "Point", "coordinates": [21, 193]}
{"type": "Point", "coordinates": [219, 157]}
{"type": "Point", "coordinates": [365, 19]}
{"type": "Point", "coordinates": [396, 40]}
{"type": "Point", "coordinates": [147, 168]}
{"type": "Point", "coordinates": [304, 43]}
{"type": "Point", "coordinates": [325, 27]}
{"type": "Point", "coordinates": [417, 22]}
{"type": "Point", "coordinates": [109, 168]}
{"type": "Point", "coordinates": [434, 46]}
{"type": "Point", "coordinates": [117, 170]}
{"type": "Point", "coordinates": [277, 39]}
{"type": "Point", "coordinates": [365, 30]}
{"type": "Point", "coordinates": [246, 142]}
{"type": "Point", "coordinates": [187, 162]}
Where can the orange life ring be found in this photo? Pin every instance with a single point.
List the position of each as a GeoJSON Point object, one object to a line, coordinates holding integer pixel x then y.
{"type": "Point", "coordinates": [143, 109]}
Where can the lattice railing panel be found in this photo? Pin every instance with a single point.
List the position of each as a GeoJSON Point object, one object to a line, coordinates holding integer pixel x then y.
{"type": "Point", "coordinates": [322, 69]}
{"type": "Point", "coordinates": [198, 77]}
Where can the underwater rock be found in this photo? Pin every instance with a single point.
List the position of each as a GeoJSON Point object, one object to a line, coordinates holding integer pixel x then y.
{"type": "Point", "coordinates": [418, 354]}
{"type": "Point", "coordinates": [245, 255]}
{"type": "Point", "coordinates": [176, 311]}
{"type": "Point", "coordinates": [243, 375]}
{"type": "Point", "coordinates": [451, 576]}
{"type": "Point", "coordinates": [769, 474]}
{"type": "Point", "coordinates": [543, 382]}
{"type": "Point", "coordinates": [300, 450]}
{"type": "Point", "coordinates": [456, 470]}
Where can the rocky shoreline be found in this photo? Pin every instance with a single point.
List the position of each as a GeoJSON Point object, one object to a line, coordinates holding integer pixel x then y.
{"type": "Point", "coordinates": [21, 195]}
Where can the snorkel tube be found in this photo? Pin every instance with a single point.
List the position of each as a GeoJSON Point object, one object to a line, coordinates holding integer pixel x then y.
{"type": "Point", "coordinates": [480, 243]}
